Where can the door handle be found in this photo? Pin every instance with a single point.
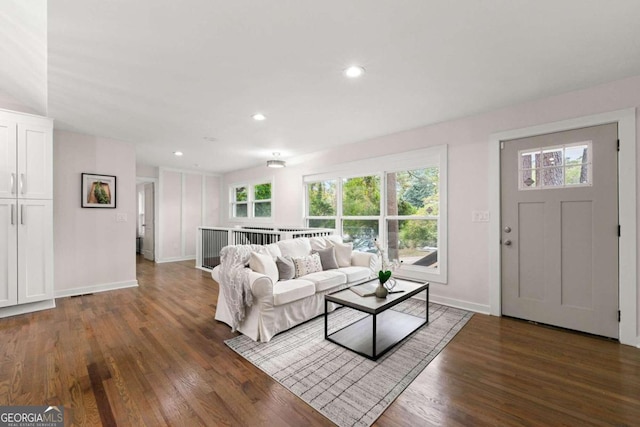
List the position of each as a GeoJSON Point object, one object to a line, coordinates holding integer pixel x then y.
{"type": "Point", "coordinates": [507, 242]}
{"type": "Point", "coordinates": [13, 183]}
{"type": "Point", "coordinates": [21, 183]}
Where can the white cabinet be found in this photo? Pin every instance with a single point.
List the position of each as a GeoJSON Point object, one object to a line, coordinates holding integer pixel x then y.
{"type": "Point", "coordinates": [8, 253]}
{"type": "Point", "coordinates": [25, 158]}
{"type": "Point", "coordinates": [26, 209]}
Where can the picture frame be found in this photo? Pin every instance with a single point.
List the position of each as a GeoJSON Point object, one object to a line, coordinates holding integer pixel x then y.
{"type": "Point", "coordinates": [98, 191]}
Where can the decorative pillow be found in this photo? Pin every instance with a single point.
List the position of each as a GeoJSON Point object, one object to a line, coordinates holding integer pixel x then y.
{"type": "Point", "coordinates": [286, 268]}
{"type": "Point", "coordinates": [264, 264]}
{"type": "Point", "coordinates": [327, 258]}
{"type": "Point", "coordinates": [343, 253]}
{"type": "Point", "coordinates": [307, 265]}
{"type": "Point", "coordinates": [298, 247]}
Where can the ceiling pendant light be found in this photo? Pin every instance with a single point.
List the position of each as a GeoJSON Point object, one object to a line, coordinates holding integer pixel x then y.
{"type": "Point", "coordinates": [276, 162]}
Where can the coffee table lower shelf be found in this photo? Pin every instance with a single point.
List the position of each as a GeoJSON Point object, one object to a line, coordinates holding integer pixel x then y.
{"type": "Point", "coordinates": [388, 328]}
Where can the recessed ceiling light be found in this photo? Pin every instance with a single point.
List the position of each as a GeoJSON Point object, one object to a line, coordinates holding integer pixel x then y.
{"type": "Point", "coordinates": [354, 71]}
{"type": "Point", "coordinates": [177, 153]}
{"type": "Point", "coordinates": [259, 117]}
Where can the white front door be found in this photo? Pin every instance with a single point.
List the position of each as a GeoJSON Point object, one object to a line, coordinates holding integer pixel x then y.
{"type": "Point", "coordinates": [559, 219]}
{"type": "Point", "coordinates": [148, 239]}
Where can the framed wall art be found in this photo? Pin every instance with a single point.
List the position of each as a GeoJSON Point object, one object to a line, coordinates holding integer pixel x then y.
{"type": "Point", "coordinates": [98, 191]}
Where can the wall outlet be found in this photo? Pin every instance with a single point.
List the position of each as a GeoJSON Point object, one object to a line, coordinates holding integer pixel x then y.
{"type": "Point", "coordinates": [480, 216]}
{"type": "Point", "coordinates": [121, 217]}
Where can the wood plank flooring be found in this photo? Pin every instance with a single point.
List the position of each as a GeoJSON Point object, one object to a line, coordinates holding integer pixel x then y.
{"type": "Point", "coordinates": [155, 356]}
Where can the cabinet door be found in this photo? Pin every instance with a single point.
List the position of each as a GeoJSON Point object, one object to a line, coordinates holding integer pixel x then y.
{"type": "Point", "coordinates": [35, 250]}
{"type": "Point", "coordinates": [8, 253]}
{"type": "Point", "coordinates": [8, 156]}
{"type": "Point", "coordinates": [35, 159]}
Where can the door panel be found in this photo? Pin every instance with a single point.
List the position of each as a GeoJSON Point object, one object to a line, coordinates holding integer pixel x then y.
{"type": "Point", "coordinates": [149, 220]}
{"type": "Point", "coordinates": [35, 152]}
{"type": "Point", "coordinates": [559, 197]}
{"type": "Point", "coordinates": [8, 253]}
{"type": "Point", "coordinates": [35, 263]}
{"type": "Point", "coordinates": [8, 162]}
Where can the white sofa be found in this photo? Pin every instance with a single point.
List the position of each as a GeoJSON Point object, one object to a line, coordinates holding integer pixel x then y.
{"type": "Point", "coordinates": [281, 304]}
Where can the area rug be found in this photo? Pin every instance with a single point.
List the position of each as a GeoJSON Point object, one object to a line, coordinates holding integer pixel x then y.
{"type": "Point", "coordinates": [347, 388]}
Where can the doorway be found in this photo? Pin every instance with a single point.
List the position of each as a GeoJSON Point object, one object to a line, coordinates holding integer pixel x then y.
{"type": "Point", "coordinates": [559, 199]}
{"type": "Point", "coordinates": [146, 220]}
{"type": "Point", "coordinates": [628, 287]}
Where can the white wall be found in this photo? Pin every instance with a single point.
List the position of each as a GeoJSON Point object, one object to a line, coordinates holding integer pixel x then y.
{"type": "Point", "coordinates": [92, 251]}
{"type": "Point", "coordinates": [23, 74]}
{"type": "Point", "coordinates": [187, 201]}
{"type": "Point", "coordinates": [467, 138]}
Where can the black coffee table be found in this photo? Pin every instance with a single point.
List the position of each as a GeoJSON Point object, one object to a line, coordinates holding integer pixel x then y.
{"type": "Point", "coordinates": [376, 334]}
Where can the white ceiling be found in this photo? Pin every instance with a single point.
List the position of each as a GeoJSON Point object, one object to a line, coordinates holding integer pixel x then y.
{"type": "Point", "coordinates": [164, 74]}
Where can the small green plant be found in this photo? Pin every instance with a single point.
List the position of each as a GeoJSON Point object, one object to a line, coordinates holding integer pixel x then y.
{"type": "Point", "coordinates": [383, 276]}
{"type": "Point", "coordinates": [101, 196]}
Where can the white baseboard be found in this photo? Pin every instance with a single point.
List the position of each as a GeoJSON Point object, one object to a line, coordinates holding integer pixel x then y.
{"type": "Point", "coordinates": [175, 259]}
{"type": "Point", "coordinates": [450, 302]}
{"type": "Point", "coordinates": [27, 308]}
{"type": "Point", "coordinates": [96, 288]}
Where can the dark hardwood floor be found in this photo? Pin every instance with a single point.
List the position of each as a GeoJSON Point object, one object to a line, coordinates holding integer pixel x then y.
{"type": "Point", "coordinates": [155, 356]}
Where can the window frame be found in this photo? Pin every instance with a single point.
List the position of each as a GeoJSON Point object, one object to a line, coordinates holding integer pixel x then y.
{"type": "Point", "coordinates": [436, 156]}
{"type": "Point", "coordinates": [250, 202]}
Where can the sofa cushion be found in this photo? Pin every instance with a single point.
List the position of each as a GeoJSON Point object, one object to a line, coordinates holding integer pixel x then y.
{"type": "Point", "coordinates": [274, 250]}
{"type": "Point", "coordinates": [319, 243]}
{"type": "Point", "coordinates": [295, 247]}
{"type": "Point", "coordinates": [292, 290]}
{"type": "Point", "coordinates": [343, 253]}
{"type": "Point", "coordinates": [264, 263]}
{"type": "Point", "coordinates": [286, 268]}
{"type": "Point", "coordinates": [334, 238]}
{"type": "Point", "coordinates": [327, 258]}
{"type": "Point", "coordinates": [324, 280]}
{"type": "Point", "coordinates": [307, 264]}
{"type": "Point", "coordinates": [355, 274]}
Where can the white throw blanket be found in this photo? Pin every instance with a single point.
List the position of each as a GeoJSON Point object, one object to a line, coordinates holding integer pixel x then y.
{"type": "Point", "coordinates": [234, 279]}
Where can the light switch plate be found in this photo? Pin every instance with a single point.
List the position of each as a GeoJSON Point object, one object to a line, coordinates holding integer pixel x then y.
{"type": "Point", "coordinates": [121, 217]}
{"type": "Point", "coordinates": [480, 216]}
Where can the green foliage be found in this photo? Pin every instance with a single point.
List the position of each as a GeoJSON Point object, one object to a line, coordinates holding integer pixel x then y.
{"type": "Point", "coordinates": [383, 276]}
{"type": "Point", "coordinates": [361, 196]}
{"type": "Point", "coordinates": [241, 194]}
{"type": "Point", "coordinates": [417, 185]}
{"type": "Point", "coordinates": [262, 192]}
{"type": "Point", "coordinates": [322, 198]}
{"type": "Point", "coordinates": [101, 195]}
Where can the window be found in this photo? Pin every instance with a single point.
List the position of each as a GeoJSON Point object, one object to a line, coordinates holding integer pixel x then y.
{"type": "Point", "coordinates": [413, 216]}
{"type": "Point", "coordinates": [322, 204]}
{"type": "Point", "coordinates": [251, 201]}
{"type": "Point", "coordinates": [555, 167]}
{"type": "Point", "coordinates": [403, 207]}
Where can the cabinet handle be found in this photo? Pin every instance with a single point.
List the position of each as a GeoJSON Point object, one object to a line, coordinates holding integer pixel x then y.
{"type": "Point", "coordinates": [22, 214]}
{"type": "Point", "coordinates": [21, 183]}
{"type": "Point", "coordinates": [13, 183]}
{"type": "Point", "coordinates": [12, 214]}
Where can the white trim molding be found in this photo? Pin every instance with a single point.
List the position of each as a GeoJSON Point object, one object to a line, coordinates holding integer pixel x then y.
{"type": "Point", "coordinates": [628, 285]}
{"type": "Point", "coordinates": [103, 287]}
{"type": "Point", "coordinates": [175, 259]}
{"type": "Point", "coordinates": [27, 308]}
